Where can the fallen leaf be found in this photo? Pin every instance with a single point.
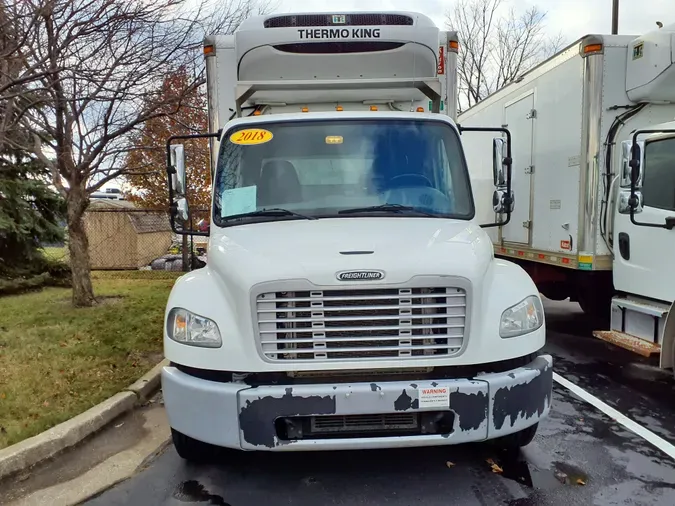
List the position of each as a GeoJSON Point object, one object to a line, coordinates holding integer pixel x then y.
{"type": "Point", "coordinates": [495, 467]}
{"type": "Point", "coordinates": [580, 481]}
{"type": "Point", "coordinates": [450, 464]}
{"type": "Point", "coordinates": [45, 404]}
{"type": "Point", "coordinates": [3, 395]}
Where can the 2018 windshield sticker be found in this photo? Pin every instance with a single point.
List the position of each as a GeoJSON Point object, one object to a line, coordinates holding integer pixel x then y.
{"type": "Point", "coordinates": [238, 201]}
{"type": "Point", "coordinates": [251, 136]}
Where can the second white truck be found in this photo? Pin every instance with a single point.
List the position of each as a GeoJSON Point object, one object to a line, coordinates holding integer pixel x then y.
{"type": "Point", "coordinates": [351, 299]}
{"type": "Point", "coordinates": [594, 172]}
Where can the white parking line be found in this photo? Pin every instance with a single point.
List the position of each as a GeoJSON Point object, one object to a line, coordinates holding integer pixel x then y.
{"type": "Point", "coordinates": [635, 427]}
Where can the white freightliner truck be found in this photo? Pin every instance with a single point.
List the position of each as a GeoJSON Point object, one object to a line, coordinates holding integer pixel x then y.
{"type": "Point", "coordinates": [594, 173]}
{"type": "Point", "coordinates": [350, 299]}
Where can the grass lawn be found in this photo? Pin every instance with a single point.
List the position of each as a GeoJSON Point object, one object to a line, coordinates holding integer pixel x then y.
{"type": "Point", "coordinates": [55, 252]}
{"type": "Point", "coordinates": [57, 361]}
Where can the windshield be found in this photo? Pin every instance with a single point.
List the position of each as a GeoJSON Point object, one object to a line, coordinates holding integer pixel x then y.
{"type": "Point", "coordinates": [329, 168]}
{"type": "Point", "coordinates": [658, 188]}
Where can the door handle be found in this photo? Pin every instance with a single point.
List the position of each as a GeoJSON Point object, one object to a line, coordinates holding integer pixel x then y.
{"type": "Point", "coordinates": [624, 245]}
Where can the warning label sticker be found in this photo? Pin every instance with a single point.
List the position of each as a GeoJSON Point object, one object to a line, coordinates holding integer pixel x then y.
{"type": "Point", "coordinates": [434, 397]}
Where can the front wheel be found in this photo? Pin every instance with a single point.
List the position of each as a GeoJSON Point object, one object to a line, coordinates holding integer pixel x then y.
{"type": "Point", "coordinates": [518, 439]}
{"type": "Point", "coordinates": [192, 450]}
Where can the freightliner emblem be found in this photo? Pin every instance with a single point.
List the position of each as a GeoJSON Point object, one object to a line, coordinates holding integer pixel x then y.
{"type": "Point", "coordinates": [360, 275]}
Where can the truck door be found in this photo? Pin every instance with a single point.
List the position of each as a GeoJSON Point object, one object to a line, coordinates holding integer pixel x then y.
{"type": "Point", "coordinates": [644, 256]}
{"type": "Point", "coordinates": [519, 118]}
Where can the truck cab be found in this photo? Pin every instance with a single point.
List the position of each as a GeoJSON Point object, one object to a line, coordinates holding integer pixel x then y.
{"type": "Point", "coordinates": [350, 299]}
{"type": "Point", "coordinates": [643, 233]}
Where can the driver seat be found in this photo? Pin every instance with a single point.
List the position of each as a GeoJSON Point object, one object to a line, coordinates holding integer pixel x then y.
{"type": "Point", "coordinates": [279, 184]}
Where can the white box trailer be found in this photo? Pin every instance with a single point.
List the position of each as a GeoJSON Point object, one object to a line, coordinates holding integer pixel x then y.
{"type": "Point", "coordinates": [350, 300]}
{"type": "Point", "coordinates": [573, 119]}
{"type": "Point", "coordinates": [285, 63]}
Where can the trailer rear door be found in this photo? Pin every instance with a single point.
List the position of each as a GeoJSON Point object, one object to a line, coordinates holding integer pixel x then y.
{"type": "Point", "coordinates": [519, 117]}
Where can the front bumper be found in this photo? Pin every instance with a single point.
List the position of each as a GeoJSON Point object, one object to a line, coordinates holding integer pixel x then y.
{"type": "Point", "coordinates": [236, 415]}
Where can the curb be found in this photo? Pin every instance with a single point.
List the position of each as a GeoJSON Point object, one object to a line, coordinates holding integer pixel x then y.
{"type": "Point", "coordinates": [47, 444]}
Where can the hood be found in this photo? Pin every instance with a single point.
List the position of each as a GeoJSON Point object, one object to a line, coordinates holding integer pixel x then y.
{"type": "Point", "coordinates": [316, 250]}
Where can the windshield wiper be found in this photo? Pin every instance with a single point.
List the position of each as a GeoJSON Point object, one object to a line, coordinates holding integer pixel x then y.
{"type": "Point", "coordinates": [383, 208]}
{"type": "Point", "coordinates": [275, 211]}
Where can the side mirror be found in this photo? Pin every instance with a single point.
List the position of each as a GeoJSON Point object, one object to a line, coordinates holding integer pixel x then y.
{"type": "Point", "coordinates": [178, 164]}
{"type": "Point", "coordinates": [501, 203]}
{"type": "Point", "coordinates": [630, 165]}
{"type": "Point", "coordinates": [503, 198]}
{"type": "Point", "coordinates": [625, 202]}
{"type": "Point", "coordinates": [498, 166]}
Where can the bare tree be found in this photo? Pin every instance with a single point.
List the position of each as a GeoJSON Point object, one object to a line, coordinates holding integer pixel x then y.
{"type": "Point", "coordinates": [497, 45]}
{"type": "Point", "coordinates": [95, 70]}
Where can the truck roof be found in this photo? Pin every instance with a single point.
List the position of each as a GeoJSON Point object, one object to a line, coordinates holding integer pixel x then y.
{"type": "Point", "coordinates": [550, 62]}
{"type": "Point", "coordinates": [345, 115]}
{"type": "Point", "coordinates": [670, 125]}
{"type": "Point", "coordinates": [386, 18]}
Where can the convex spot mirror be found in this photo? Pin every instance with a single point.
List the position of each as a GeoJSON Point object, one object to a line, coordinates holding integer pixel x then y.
{"type": "Point", "coordinates": [182, 210]}
{"type": "Point", "coordinates": [625, 202]}
{"type": "Point", "coordinates": [500, 204]}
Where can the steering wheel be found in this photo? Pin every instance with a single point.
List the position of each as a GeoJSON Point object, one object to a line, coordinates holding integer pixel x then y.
{"type": "Point", "coordinates": [425, 180]}
{"type": "Point", "coordinates": [420, 197]}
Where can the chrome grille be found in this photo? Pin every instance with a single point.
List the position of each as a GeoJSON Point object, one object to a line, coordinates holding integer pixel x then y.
{"type": "Point", "coordinates": [363, 324]}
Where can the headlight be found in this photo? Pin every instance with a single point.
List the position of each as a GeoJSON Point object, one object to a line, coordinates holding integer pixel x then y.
{"type": "Point", "coordinates": [526, 316]}
{"type": "Point", "coordinates": [188, 328]}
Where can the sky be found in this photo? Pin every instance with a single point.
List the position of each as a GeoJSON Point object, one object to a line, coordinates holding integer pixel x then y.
{"type": "Point", "coordinates": [573, 18]}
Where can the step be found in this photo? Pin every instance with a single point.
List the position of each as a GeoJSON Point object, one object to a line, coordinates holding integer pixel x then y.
{"type": "Point", "coordinates": [650, 308]}
{"type": "Point", "coordinates": [628, 342]}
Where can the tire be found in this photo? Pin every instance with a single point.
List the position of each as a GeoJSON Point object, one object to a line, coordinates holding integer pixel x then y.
{"type": "Point", "coordinates": [518, 439]}
{"type": "Point", "coordinates": [597, 307]}
{"type": "Point", "coordinates": [594, 292]}
{"type": "Point", "coordinates": [191, 450]}
{"type": "Point", "coordinates": [555, 291]}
